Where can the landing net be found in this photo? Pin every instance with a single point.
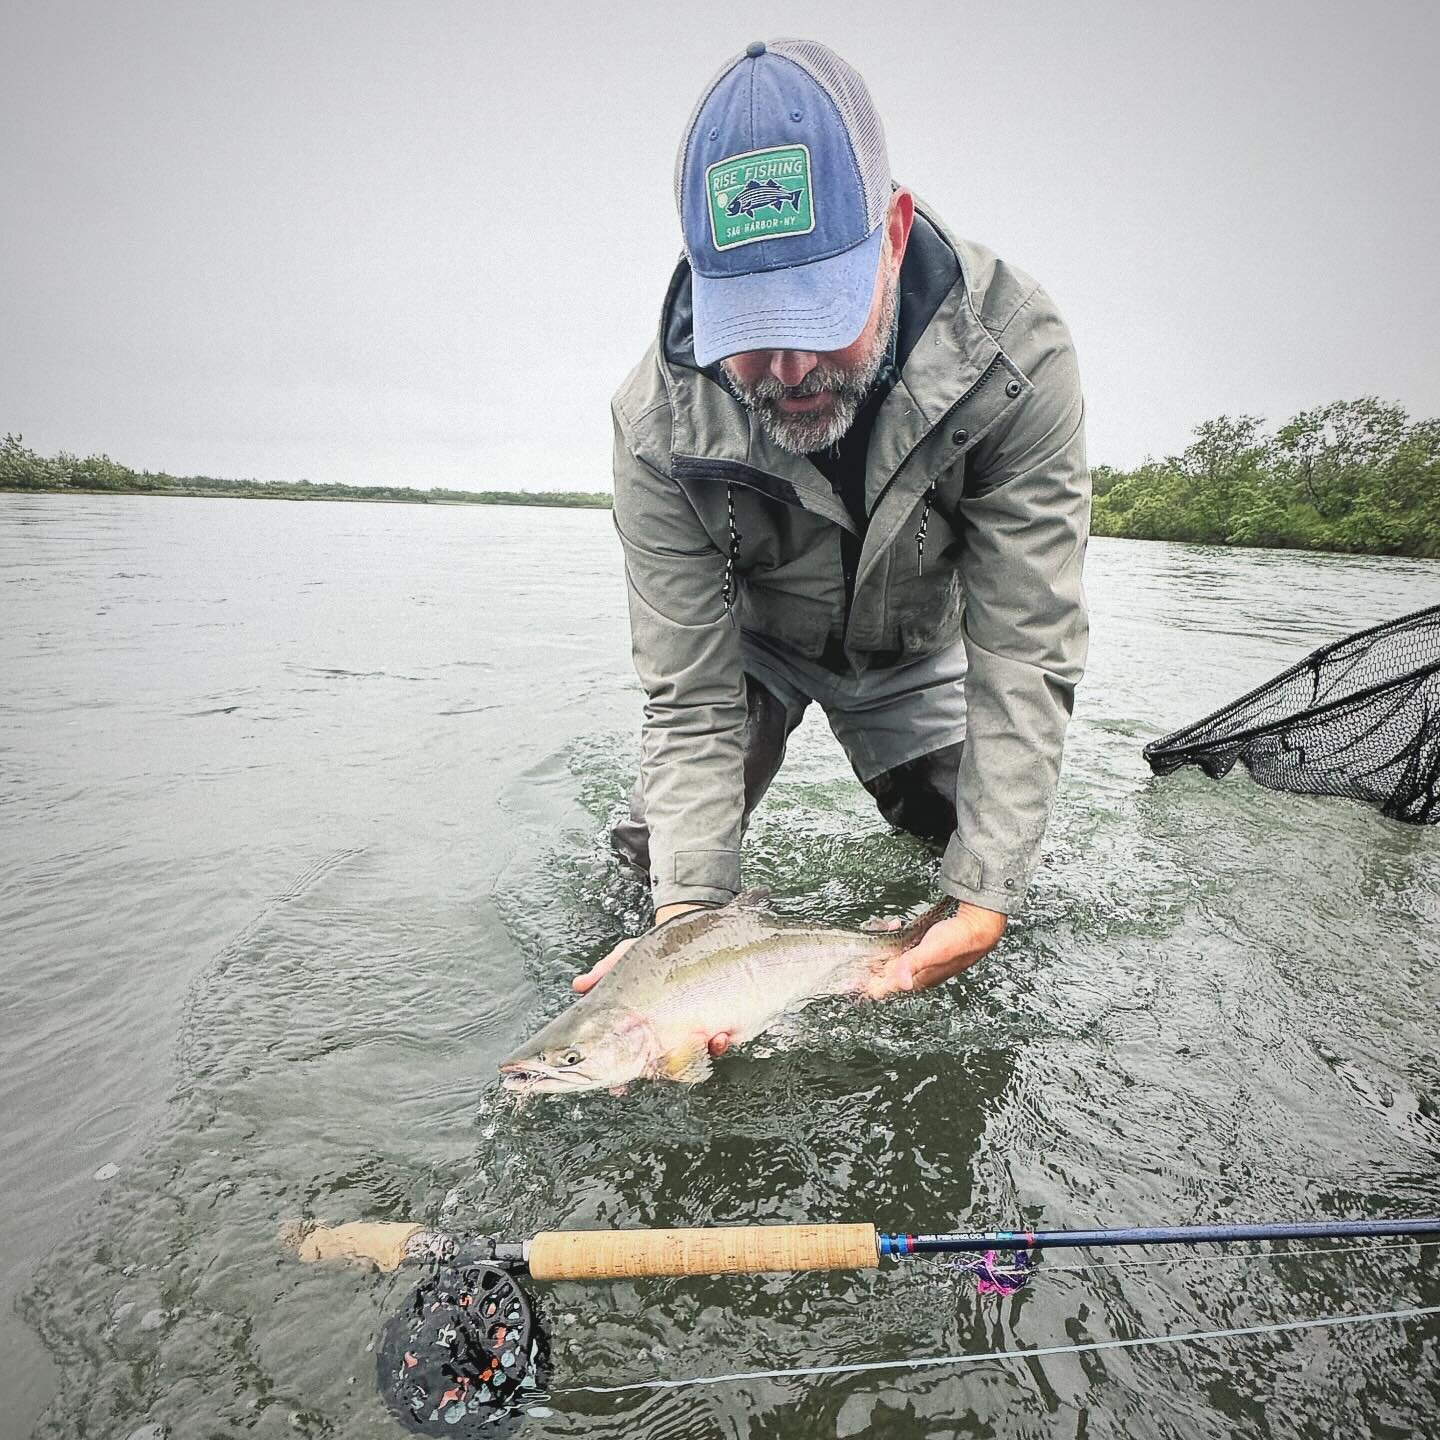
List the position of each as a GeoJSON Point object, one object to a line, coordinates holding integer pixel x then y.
{"type": "Point", "coordinates": [1359, 718]}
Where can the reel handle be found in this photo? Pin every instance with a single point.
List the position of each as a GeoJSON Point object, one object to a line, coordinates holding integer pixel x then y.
{"type": "Point", "coordinates": [722, 1250]}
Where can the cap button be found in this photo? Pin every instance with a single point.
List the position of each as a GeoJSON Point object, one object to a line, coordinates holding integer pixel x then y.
{"type": "Point", "coordinates": [755, 49]}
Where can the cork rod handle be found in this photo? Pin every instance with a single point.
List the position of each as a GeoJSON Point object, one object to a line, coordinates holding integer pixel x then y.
{"type": "Point", "coordinates": [725, 1250]}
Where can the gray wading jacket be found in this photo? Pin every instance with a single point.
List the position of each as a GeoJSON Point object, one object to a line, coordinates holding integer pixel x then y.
{"type": "Point", "coordinates": [981, 443]}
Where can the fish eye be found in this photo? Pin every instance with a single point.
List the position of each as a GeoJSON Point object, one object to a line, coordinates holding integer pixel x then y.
{"type": "Point", "coordinates": [570, 1057]}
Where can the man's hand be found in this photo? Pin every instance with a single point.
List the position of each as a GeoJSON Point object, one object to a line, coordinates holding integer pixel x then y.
{"type": "Point", "coordinates": [946, 949]}
{"type": "Point", "coordinates": [719, 1044]}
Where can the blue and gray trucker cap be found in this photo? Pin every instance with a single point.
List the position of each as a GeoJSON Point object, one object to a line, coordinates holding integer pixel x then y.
{"type": "Point", "coordinates": [783, 184]}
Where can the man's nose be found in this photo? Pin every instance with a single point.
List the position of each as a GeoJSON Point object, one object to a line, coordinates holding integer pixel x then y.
{"type": "Point", "coordinates": [790, 367]}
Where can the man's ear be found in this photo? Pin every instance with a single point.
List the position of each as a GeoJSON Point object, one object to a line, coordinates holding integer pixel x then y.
{"type": "Point", "coordinates": [898, 222]}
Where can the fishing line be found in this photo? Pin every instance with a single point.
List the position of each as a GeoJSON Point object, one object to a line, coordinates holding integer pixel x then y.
{"type": "Point", "coordinates": [1037, 1353]}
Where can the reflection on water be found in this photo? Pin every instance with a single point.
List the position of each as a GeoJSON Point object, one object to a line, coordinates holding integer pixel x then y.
{"type": "Point", "coordinates": [340, 855]}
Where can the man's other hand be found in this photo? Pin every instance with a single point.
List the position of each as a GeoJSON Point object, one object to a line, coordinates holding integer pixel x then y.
{"type": "Point", "coordinates": [946, 949]}
{"type": "Point", "coordinates": [719, 1044]}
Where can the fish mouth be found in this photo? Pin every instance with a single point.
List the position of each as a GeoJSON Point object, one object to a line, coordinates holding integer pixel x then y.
{"type": "Point", "coordinates": [529, 1076]}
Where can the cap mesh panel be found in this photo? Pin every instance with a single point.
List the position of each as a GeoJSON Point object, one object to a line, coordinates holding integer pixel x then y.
{"type": "Point", "coordinates": [847, 90]}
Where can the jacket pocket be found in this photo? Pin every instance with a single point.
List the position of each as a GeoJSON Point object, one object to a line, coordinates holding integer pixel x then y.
{"type": "Point", "coordinates": [927, 609]}
{"type": "Point", "coordinates": [796, 621]}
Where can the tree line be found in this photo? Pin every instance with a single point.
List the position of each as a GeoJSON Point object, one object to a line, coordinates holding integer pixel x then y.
{"type": "Point", "coordinates": [1356, 475]}
{"type": "Point", "coordinates": [22, 469]}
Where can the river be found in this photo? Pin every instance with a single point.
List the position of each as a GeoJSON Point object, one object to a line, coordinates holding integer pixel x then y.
{"type": "Point", "coordinates": [301, 814]}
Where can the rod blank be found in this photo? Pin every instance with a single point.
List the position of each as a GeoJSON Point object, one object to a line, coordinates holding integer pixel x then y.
{"type": "Point", "coordinates": [1154, 1235]}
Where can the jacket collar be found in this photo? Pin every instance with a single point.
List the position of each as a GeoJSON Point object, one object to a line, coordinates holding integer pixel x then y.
{"type": "Point", "coordinates": [942, 351]}
{"type": "Point", "coordinates": [714, 436]}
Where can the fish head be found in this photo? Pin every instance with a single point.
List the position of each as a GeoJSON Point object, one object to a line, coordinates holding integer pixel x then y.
{"type": "Point", "coordinates": [579, 1051]}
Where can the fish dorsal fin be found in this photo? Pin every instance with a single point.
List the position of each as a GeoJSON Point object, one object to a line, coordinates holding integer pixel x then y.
{"type": "Point", "coordinates": [914, 930]}
{"type": "Point", "coordinates": [755, 898]}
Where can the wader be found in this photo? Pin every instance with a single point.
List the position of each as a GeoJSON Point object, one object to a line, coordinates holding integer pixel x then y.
{"type": "Point", "coordinates": [902, 729]}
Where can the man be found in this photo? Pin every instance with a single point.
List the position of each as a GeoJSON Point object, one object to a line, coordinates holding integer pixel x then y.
{"type": "Point", "coordinates": [850, 469]}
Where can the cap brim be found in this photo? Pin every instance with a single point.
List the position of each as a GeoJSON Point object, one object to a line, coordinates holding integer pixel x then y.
{"type": "Point", "coordinates": [820, 306]}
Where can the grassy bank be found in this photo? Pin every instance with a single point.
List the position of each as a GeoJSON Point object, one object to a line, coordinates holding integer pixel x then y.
{"type": "Point", "coordinates": [22, 469]}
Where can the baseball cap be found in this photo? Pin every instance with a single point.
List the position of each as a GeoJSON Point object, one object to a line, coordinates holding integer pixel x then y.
{"type": "Point", "coordinates": [782, 183]}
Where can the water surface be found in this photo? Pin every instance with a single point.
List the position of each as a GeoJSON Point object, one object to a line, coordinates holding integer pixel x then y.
{"type": "Point", "coordinates": [302, 810]}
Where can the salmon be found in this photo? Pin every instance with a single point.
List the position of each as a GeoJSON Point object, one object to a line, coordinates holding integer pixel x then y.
{"type": "Point", "coordinates": [735, 970]}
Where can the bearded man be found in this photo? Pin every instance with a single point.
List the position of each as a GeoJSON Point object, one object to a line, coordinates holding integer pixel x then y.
{"type": "Point", "coordinates": [850, 469]}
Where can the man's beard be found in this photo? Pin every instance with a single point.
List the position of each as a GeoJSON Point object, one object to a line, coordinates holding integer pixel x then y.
{"type": "Point", "coordinates": [847, 388]}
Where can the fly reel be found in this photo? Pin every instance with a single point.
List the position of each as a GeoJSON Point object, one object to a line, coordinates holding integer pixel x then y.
{"type": "Point", "coordinates": [464, 1354]}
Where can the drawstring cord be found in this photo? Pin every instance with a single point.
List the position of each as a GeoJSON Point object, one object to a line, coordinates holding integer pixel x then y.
{"type": "Point", "coordinates": [727, 590]}
{"type": "Point", "coordinates": [924, 525]}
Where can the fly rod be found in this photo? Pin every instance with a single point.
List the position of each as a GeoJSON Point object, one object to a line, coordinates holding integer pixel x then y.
{"type": "Point", "coordinates": [468, 1346]}
{"type": "Point", "coordinates": [746, 1249]}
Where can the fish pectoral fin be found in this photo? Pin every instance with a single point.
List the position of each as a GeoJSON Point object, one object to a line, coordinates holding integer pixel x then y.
{"type": "Point", "coordinates": [688, 1063]}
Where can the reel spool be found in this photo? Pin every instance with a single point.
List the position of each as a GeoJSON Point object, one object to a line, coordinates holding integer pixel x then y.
{"type": "Point", "coordinates": [464, 1353]}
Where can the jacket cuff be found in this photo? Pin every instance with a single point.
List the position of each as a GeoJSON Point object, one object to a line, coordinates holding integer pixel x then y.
{"type": "Point", "coordinates": [709, 875]}
{"type": "Point", "coordinates": [998, 886]}
{"type": "Point", "coordinates": [663, 895]}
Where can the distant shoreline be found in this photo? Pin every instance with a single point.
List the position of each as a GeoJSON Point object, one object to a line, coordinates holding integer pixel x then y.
{"type": "Point", "coordinates": [23, 472]}
{"type": "Point", "coordinates": [350, 494]}
{"type": "Point", "coordinates": [281, 490]}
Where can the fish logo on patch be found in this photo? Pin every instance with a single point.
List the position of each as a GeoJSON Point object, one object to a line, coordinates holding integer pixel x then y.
{"type": "Point", "coordinates": [757, 194]}
{"type": "Point", "coordinates": [760, 195]}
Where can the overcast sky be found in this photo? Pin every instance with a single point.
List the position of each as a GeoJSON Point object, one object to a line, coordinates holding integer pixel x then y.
{"type": "Point", "coordinates": [421, 241]}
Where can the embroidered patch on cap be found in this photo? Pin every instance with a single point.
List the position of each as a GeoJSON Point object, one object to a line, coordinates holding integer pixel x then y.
{"type": "Point", "coordinates": [762, 195]}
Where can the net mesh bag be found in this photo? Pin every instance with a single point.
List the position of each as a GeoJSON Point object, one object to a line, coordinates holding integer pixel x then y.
{"type": "Point", "coordinates": [1359, 718]}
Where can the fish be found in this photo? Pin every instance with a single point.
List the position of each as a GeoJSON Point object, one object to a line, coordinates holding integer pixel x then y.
{"type": "Point", "coordinates": [735, 970]}
{"type": "Point", "coordinates": [757, 194]}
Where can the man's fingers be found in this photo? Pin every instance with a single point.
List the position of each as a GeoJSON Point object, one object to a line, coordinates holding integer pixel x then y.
{"type": "Point", "coordinates": [896, 978]}
{"type": "Point", "coordinates": [719, 1044]}
{"type": "Point", "coordinates": [893, 922]}
{"type": "Point", "coordinates": [597, 972]}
